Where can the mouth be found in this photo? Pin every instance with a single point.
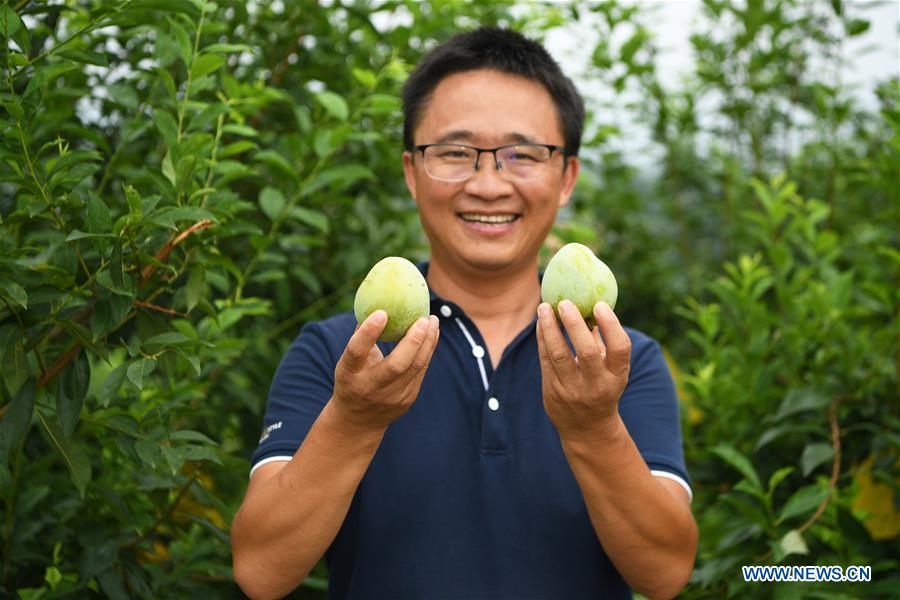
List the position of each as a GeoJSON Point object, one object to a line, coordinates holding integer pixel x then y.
{"type": "Point", "coordinates": [489, 225]}
{"type": "Point", "coordinates": [489, 219]}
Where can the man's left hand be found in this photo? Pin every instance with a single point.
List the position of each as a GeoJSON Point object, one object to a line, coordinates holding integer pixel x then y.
{"type": "Point", "coordinates": [581, 392]}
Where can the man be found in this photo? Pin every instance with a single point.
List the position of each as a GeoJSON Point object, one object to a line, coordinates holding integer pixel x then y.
{"type": "Point", "coordinates": [487, 461]}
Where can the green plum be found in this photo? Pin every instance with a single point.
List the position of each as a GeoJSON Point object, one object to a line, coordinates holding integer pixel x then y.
{"type": "Point", "coordinates": [396, 286]}
{"type": "Point", "coordinates": [575, 274]}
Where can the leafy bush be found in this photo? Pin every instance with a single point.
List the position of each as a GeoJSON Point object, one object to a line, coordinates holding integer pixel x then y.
{"type": "Point", "coordinates": [184, 184]}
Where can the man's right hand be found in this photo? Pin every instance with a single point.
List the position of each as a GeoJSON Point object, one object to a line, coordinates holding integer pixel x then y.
{"type": "Point", "coordinates": [371, 391]}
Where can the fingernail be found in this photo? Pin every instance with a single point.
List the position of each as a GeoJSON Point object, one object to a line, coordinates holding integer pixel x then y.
{"type": "Point", "coordinates": [379, 317]}
{"type": "Point", "coordinates": [422, 323]}
{"type": "Point", "coordinates": [543, 309]}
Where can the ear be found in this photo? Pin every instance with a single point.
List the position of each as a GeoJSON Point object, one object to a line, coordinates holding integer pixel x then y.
{"type": "Point", "coordinates": [409, 173]}
{"type": "Point", "coordinates": [569, 178]}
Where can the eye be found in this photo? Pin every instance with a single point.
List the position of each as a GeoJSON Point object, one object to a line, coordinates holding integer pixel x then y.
{"type": "Point", "coordinates": [524, 154]}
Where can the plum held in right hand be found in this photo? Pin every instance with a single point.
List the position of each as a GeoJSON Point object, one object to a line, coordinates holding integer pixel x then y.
{"type": "Point", "coordinates": [575, 274]}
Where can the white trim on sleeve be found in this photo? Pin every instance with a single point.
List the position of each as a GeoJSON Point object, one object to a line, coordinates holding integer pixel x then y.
{"type": "Point", "coordinates": [268, 460]}
{"type": "Point", "coordinates": [677, 479]}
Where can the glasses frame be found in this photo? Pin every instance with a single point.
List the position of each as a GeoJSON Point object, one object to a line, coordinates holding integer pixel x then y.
{"type": "Point", "coordinates": [497, 165]}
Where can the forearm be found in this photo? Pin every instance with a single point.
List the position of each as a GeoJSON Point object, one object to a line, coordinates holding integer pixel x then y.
{"type": "Point", "coordinates": [647, 532]}
{"type": "Point", "coordinates": [285, 527]}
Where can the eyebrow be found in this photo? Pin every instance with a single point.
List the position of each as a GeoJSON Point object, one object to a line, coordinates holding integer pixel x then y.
{"type": "Point", "coordinates": [464, 135]}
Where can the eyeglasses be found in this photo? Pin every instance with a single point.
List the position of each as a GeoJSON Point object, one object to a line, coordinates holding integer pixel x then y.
{"type": "Point", "coordinates": [457, 162]}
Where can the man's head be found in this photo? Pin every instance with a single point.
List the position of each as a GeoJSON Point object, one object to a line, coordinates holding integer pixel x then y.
{"type": "Point", "coordinates": [499, 50]}
{"type": "Point", "coordinates": [485, 160]}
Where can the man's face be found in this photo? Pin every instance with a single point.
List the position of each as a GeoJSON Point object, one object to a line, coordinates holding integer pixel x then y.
{"type": "Point", "coordinates": [487, 108]}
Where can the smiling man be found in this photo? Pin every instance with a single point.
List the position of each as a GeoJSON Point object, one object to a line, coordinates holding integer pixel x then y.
{"type": "Point", "coordinates": [484, 461]}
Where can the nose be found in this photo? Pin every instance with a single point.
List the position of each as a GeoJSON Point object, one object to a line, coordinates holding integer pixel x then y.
{"type": "Point", "coordinates": [487, 181]}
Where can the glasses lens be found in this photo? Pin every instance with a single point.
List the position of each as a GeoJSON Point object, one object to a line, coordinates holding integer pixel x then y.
{"type": "Point", "coordinates": [525, 161]}
{"type": "Point", "coordinates": [449, 162]}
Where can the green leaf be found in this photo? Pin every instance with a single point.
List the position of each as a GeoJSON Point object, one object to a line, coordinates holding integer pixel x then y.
{"type": "Point", "coordinates": [9, 21]}
{"type": "Point", "coordinates": [167, 127]}
{"type": "Point", "coordinates": [739, 462]}
{"type": "Point", "coordinates": [238, 147]}
{"type": "Point", "coordinates": [197, 453]}
{"type": "Point", "coordinates": [206, 64]}
{"type": "Point", "coordinates": [276, 161]}
{"type": "Point", "coordinates": [803, 502]}
{"type": "Point", "coordinates": [791, 543]}
{"type": "Point", "coordinates": [112, 383]}
{"type": "Point", "coordinates": [15, 367]}
{"type": "Point", "coordinates": [334, 105]}
{"type": "Point", "coordinates": [139, 370]}
{"type": "Point", "coordinates": [182, 39]}
{"type": "Point", "coordinates": [108, 312]}
{"type": "Point", "coordinates": [188, 435]}
{"type": "Point", "coordinates": [857, 27]}
{"type": "Point", "coordinates": [339, 178]}
{"type": "Point", "coordinates": [364, 76]}
{"type": "Point", "coordinates": [800, 400]}
{"type": "Point", "coordinates": [207, 116]}
{"type": "Point", "coordinates": [195, 288]}
{"type": "Point", "coordinates": [181, 6]}
{"type": "Point", "coordinates": [14, 109]}
{"type": "Point", "coordinates": [17, 421]}
{"type": "Point", "coordinates": [168, 216]}
{"type": "Point", "coordinates": [148, 452]}
{"type": "Point", "coordinates": [125, 95]}
{"type": "Point", "coordinates": [243, 130]}
{"type": "Point", "coordinates": [72, 453]}
{"type": "Point", "coordinates": [814, 455]}
{"type": "Point", "coordinates": [272, 202]}
{"type": "Point", "coordinates": [777, 477]}
{"type": "Point", "coordinates": [71, 390]}
{"type": "Point", "coordinates": [99, 220]}
{"type": "Point", "coordinates": [84, 56]}
{"type": "Point", "coordinates": [44, 75]}
{"type": "Point", "coordinates": [228, 48]}
{"type": "Point", "coordinates": [14, 292]}
{"type": "Point", "coordinates": [311, 217]}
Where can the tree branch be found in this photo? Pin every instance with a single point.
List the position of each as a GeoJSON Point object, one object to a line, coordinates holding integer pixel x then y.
{"type": "Point", "coordinates": [835, 465]}
{"type": "Point", "coordinates": [164, 252]}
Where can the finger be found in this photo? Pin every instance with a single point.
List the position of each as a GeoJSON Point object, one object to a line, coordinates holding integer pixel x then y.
{"type": "Point", "coordinates": [584, 342]}
{"type": "Point", "coordinates": [599, 340]}
{"type": "Point", "coordinates": [618, 344]}
{"type": "Point", "coordinates": [555, 346]}
{"type": "Point", "coordinates": [363, 340]}
{"type": "Point", "coordinates": [399, 360]}
{"type": "Point", "coordinates": [423, 357]}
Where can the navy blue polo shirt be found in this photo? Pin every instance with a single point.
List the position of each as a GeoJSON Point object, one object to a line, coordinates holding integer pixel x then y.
{"type": "Point", "coordinates": [469, 495]}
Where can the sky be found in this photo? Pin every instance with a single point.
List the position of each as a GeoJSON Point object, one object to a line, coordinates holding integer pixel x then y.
{"type": "Point", "coordinates": [874, 55]}
{"type": "Point", "coordinates": [869, 58]}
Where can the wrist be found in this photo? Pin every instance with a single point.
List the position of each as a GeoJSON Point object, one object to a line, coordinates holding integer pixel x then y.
{"type": "Point", "coordinates": [603, 433]}
{"type": "Point", "coordinates": [335, 419]}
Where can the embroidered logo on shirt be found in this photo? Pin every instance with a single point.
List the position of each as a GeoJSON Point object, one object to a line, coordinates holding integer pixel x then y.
{"type": "Point", "coordinates": [268, 430]}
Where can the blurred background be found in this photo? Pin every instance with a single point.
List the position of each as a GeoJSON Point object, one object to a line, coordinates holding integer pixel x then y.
{"type": "Point", "coordinates": [184, 184]}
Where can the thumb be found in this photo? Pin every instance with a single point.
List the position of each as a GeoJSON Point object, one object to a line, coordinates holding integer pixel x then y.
{"type": "Point", "coordinates": [363, 339]}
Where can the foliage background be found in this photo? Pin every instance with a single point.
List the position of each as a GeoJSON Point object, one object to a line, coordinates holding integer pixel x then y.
{"type": "Point", "coordinates": [183, 184]}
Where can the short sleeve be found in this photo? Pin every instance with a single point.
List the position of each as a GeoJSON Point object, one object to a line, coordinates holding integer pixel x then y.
{"type": "Point", "coordinates": [649, 409]}
{"type": "Point", "coordinates": [302, 385]}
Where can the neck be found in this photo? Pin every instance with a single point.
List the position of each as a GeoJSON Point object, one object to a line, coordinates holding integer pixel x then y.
{"type": "Point", "coordinates": [500, 298]}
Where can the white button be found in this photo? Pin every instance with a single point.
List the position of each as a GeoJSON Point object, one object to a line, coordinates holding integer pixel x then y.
{"type": "Point", "coordinates": [478, 352]}
{"type": "Point", "coordinates": [493, 403]}
{"type": "Point", "coordinates": [445, 310]}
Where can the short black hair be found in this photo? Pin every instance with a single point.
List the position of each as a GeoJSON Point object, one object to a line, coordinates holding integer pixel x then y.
{"type": "Point", "coordinates": [502, 50]}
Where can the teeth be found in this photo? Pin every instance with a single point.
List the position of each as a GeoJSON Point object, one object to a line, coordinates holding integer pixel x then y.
{"type": "Point", "coordinates": [488, 218]}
